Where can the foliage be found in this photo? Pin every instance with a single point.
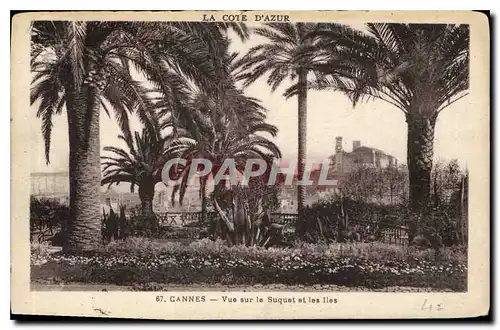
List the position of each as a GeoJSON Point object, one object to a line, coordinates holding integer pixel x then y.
{"type": "Point", "coordinates": [137, 165]}
{"type": "Point", "coordinates": [235, 125]}
{"type": "Point", "coordinates": [420, 69]}
{"type": "Point", "coordinates": [446, 183]}
{"type": "Point", "coordinates": [328, 219]}
{"type": "Point", "coordinates": [115, 226]}
{"type": "Point", "coordinates": [140, 166]}
{"type": "Point", "coordinates": [84, 67]}
{"type": "Point", "coordinates": [227, 130]}
{"type": "Point", "coordinates": [394, 62]}
{"type": "Point", "coordinates": [244, 215]}
{"type": "Point", "coordinates": [139, 224]}
{"type": "Point", "coordinates": [101, 54]}
{"type": "Point", "coordinates": [280, 58]}
{"type": "Point", "coordinates": [181, 233]}
{"type": "Point", "coordinates": [40, 253]}
{"type": "Point", "coordinates": [370, 265]}
{"type": "Point", "coordinates": [444, 222]}
{"type": "Point", "coordinates": [378, 185]}
{"type": "Point", "coordinates": [46, 215]}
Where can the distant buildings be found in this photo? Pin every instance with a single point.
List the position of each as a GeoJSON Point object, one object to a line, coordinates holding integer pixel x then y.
{"type": "Point", "coordinates": [162, 201]}
{"type": "Point", "coordinates": [53, 185]}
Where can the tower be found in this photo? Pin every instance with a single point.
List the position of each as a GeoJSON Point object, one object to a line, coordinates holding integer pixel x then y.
{"type": "Point", "coordinates": [338, 144]}
{"type": "Point", "coordinates": [339, 155]}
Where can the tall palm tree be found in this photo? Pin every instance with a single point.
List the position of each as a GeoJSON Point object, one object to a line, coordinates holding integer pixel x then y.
{"type": "Point", "coordinates": [420, 69]}
{"type": "Point", "coordinates": [139, 166]}
{"type": "Point", "coordinates": [206, 119]}
{"type": "Point", "coordinates": [85, 67]}
{"type": "Point", "coordinates": [227, 126]}
{"type": "Point", "coordinates": [280, 57]}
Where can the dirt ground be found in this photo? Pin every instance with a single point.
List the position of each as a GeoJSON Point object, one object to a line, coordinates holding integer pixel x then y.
{"type": "Point", "coordinates": [219, 288]}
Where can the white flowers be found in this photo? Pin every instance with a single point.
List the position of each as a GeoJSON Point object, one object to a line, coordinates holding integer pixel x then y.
{"type": "Point", "coordinates": [208, 260]}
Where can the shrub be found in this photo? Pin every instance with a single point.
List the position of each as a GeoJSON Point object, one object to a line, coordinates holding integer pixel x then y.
{"type": "Point", "coordinates": [324, 219]}
{"type": "Point", "coordinates": [46, 216]}
{"type": "Point", "coordinates": [113, 225]}
{"type": "Point", "coordinates": [439, 224]}
{"type": "Point", "coordinates": [142, 224]}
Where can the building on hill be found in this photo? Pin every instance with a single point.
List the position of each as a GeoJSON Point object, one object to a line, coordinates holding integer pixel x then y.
{"type": "Point", "coordinates": [343, 162]}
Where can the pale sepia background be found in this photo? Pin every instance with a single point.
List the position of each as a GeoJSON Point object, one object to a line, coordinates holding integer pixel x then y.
{"type": "Point", "coordinates": [462, 132]}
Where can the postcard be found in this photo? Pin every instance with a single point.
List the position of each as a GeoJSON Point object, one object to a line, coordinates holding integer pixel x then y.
{"type": "Point", "coordinates": [250, 164]}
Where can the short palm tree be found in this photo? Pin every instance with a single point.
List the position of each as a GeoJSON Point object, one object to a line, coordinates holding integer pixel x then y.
{"type": "Point", "coordinates": [225, 136]}
{"type": "Point", "coordinates": [84, 67]}
{"type": "Point", "coordinates": [140, 166]}
{"type": "Point", "coordinates": [420, 69]}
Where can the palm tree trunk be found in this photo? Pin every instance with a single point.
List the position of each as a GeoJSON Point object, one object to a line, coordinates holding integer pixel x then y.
{"type": "Point", "coordinates": [84, 226]}
{"type": "Point", "coordinates": [220, 228]}
{"type": "Point", "coordinates": [146, 194]}
{"type": "Point", "coordinates": [203, 193]}
{"type": "Point", "coordinates": [463, 210]}
{"type": "Point", "coordinates": [302, 149]}
{"type": "Point", "coordinates": [420, 158]}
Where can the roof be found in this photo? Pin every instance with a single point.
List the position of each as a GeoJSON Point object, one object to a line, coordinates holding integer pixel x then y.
{"type": "Point", "coordinates": [370, 149]}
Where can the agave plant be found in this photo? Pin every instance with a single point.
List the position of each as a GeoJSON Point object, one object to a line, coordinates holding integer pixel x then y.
{"type": "Point", "coordinates": [242, 225]}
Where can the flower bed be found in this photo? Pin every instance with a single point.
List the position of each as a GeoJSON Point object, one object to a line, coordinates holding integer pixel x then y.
{"type": "Point", "coordinates": [370, 265]}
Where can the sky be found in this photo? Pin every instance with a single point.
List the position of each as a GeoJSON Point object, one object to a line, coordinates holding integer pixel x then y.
{"type": "Point", "coordinates": [330, 114]}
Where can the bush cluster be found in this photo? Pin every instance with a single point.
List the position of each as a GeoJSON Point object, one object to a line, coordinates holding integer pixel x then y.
{"type": "Point", "coordinates": [47, 216]}
{"type": "Point", "coordinates": [371, 219]}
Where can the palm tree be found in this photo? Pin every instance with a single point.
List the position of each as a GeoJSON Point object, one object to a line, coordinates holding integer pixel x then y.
{"type": "Point", "coordinates": [139, 166]}
{"type": "Point", "coordinates": [420, 69]}
{"type": "Point", "coordinates": [204, 119]}
{"type": "Point", "coordinates": [281, 58]}
{"type": "Point", "coordinates": [232, 132]}
{"type": "Point", "coordinates": [85, 66]}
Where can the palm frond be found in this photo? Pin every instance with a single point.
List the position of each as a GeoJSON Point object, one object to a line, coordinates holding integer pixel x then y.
{"type": "Point", "coordinates": [76, 47]}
